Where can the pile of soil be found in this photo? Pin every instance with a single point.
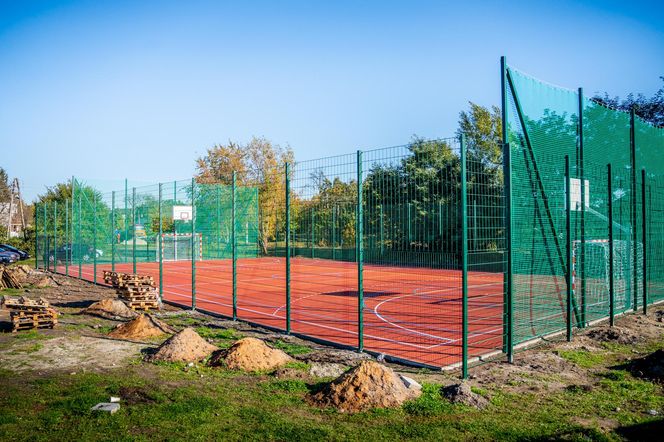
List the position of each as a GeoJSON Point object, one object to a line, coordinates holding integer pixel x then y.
{"type": "Point", "coordinates": [613, 334]}
{"type": "Point", "coordinates": [368, 385]}
{"type": "Point", "coordinates": [251, 354]}
{"type": "Point", "coordinates": [650, 367]}
{"type": "Point", "coordinates": [185, 346]}
{"type": "Point", "coordinates": [143, 327]}
{"type": "Point", "coordinates": [462, 394]}
{"type": "Point", "coordinates": [110, 308]}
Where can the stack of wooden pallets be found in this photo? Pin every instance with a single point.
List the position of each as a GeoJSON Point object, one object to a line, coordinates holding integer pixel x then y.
{"type": "Point", "coordinates": [138, 291]}
{"type": "Point", "coordinates": [30, 313]}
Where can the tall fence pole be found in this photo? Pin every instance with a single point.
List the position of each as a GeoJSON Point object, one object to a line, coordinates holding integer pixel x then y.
{"type": "Point", "coordinates": [194, 243]}
{"type": "Point", "coordinates": [126, 221]}
{"type": "Point", "coordinates": [45, 237]}
{"type": "Point", "coordinates": [568, 230]}
{"type": "Point", "coordinates": [464, 259]}
{"type": "Point", "coordinates": [635, 266]}
{"type": "Point", "coordinates": [218, 191]}
{"type": "Point", "coordinates": [359, 256]}
{"type": "Point", "coordinates": [234, 242]}
{"type": "Point", "coordinates": [67, 243]}
{"type": "Point", "coordinates": [313, 239]}
{"type": "Point", "coordinates": [582, 254]}
{"type": "Point", "coordinates": [381, 237]}
{"type": "Point", "coordinates": [78, 234]}
{"type": "Point", "coordinates": [94, 238]}
{"type": "Point", "coordinates": [133, 223]}
{"type": "Point", "coordinates": [508, 323]}
{"type": "Point", "coordinates": [611, 279]}
{"type": "Point", "coordinates": [55, 236]}
{"type": "Point", "coordinates": [644, 239]}
{"type": "Point", "coordinates": [36, 239]}
{"type": "Point", "coordinates": [160, 241]}
{"type": "Point", "coordinates": [288, 251]}
{"type": "Point", "coordinates": [114, 238]}
{"type": "Point", "coordinates": [334, 232]}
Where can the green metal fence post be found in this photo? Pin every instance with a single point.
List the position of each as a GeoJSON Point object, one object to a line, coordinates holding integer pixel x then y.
{"type": "Point", "coordinates": [46, 237]}
{"type": "Point", "coordinates": [114, 238]}
{"type": "Point", "coordinates": [78, 233]}
{"type": "Point", "coordinates": [410, 237]}
{"type": "Point", "coordinates": [193, 244]}
{"type": "Point", "coordinates": [312, 231]}
{"type": "Point", "coordinates": [35, 216]}
{"type": "Point", "coordinates": [160, 241]}
{"type": "Point", "coordinates": [645, 242]}
{"type": "Point", "coordinates": [133, 223]}
{"type": "Point", "coordinates": [55, 236]}
{"type": "Point", "coordinates": [218, 191]}
{"type": "Point", "coordinates": [288, 251]}
{"type": "Point", "coordinates": [94, 237]}
{"type": "Point", "coordinates": [359, 255]}
{"type": "Point", "coordinates": [464, 259]}
{"type": "Point", "coordinates": [611, 278]}
{"type": "Point", "coordinates": [568, 243]}
{"type": "Point", "coordinates": [582, 254]}
{"type": "Point", "coordinates": [334, 232]}
{"type": "Point", "coordinates": [234, 242]}
{"type": "Point", "coordinates": [67, 242]}
{"type": "Point", "coordinates": [381, 236]}
{"type": "Point", "coordinates": [634, 238]}
{"type": "Point", "coordinates": [126, 221]}
{"type": "Point", "coordinates": [508, 343]}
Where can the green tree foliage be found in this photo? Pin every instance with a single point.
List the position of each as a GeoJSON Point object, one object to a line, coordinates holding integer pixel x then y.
{"type": "Point", "coordinates": [5, 191]}
{"type": "Point", "coordinates": [650, 109]}
{"type": "Point", "coordinates": [258, 163]}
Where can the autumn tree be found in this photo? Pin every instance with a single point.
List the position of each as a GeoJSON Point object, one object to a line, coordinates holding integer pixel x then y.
{"type": "Point", "coordinates": [259, 164]}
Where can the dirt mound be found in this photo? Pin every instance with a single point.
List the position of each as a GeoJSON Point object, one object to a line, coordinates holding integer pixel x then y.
{"type": "Point", "coordinates": [185, 346]}
{"type": "Point", "coordinates": [650, 367]}
{"type": "Point", "coordinates": [251, 354]}
{"type": "Point", "coordinates": [110, 309]}
{"type": "Point", "coordinates": [613, 334]}
{"type": "Point", "coordinates": [143, 327]}
{"type": "Point", "coordinates": [369, 385]}
{"type": "Point", "coordinates": [462, 394]}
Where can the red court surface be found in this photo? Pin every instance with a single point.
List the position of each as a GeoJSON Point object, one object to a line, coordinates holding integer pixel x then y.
{"type": "Point", "coordinates": [412, 313]}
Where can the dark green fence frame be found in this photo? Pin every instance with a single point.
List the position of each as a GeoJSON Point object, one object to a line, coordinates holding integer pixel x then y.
{"type": "Point", "coordinates": [372, 229]}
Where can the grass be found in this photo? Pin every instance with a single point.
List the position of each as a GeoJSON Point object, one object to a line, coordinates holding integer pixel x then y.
{"type": "Point", "coordinates": [219, 334]}
{"type": "Point", "coordinates": [584, 358]}
{"type": "Point", "coordinates": [165, 402]}
{"type": "Point", "coordinates": [171, 401]}
{"type": "Point", "coordinates": [290, 348]}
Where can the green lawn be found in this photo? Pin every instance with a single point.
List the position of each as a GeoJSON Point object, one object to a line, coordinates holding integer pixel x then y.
{"type": "Point", "coordinates": [174, 402]}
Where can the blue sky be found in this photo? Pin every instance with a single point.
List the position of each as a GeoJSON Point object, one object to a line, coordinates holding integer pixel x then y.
{"type": "Point", "coordinates": [139, 89]}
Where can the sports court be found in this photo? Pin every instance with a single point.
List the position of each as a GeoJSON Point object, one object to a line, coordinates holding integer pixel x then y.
{"type": "Point", "coordinates": [409, 313]}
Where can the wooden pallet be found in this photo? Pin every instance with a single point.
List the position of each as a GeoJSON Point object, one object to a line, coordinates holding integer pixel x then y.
{"type": "Point", "coordinates": [22, 320]}
{"type": "Point", "coordinates": [143, 305]}
{"type": "Point", "coordinates": [26, 304]}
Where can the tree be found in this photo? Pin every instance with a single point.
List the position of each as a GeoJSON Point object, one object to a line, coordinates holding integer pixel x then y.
{"type": "Point", "coordinates": [650, 109]}
{"type": "Point", "coordinates": [258, 163]}
{"type": "Point", "coordinates": [5, 191]}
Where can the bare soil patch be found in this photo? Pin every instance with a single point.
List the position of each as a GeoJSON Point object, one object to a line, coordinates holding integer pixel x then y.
{"type": "Point", "coordinates": [185, 346]}
{"type": "Point", "coordinates": [650, 367]}
{"type": "Point", "coordinates": [111, 309]}
{"type": "Point", "coordinates": [618, 335]}
{"type": "Point", "coordinates": [143, 327]}
{"type": "Point", "coordinates": [369, 385]}
{"type": "Point", "coordinates": [71, 353]}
